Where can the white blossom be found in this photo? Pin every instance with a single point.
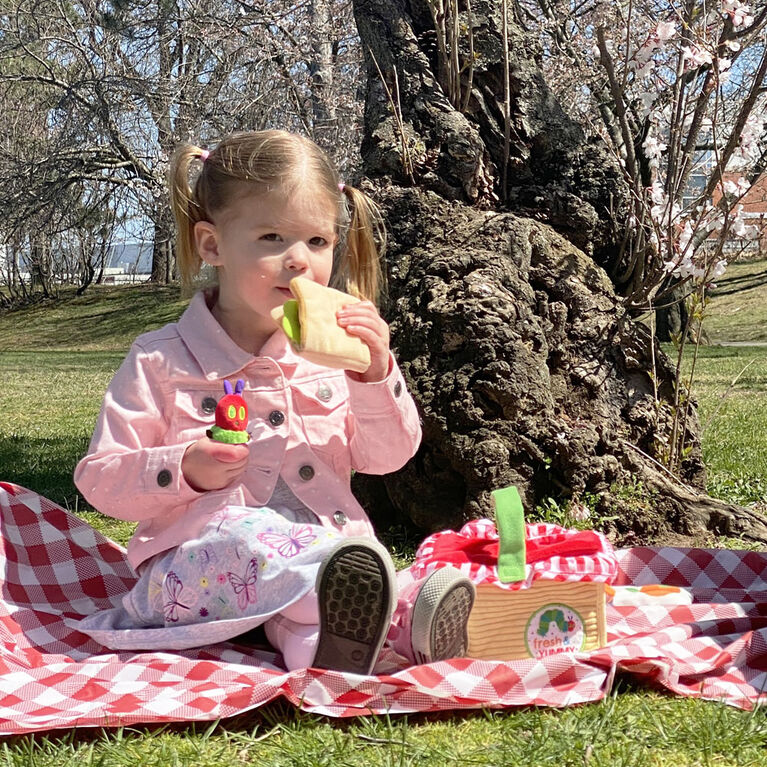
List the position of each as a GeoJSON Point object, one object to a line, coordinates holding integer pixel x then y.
{"type": "Point", "coordinates": [685, 235]}
{"type": "Point", "coordinates": [645, 70]}
{"type": "Point", "coordinates": [748, 149]}
{"type": "Point", "coordinates": [720, 267]}
{"type": "Point", "coordinates": [644, 54]}
{"type": "Point", "coordinates": [658, 213]}
{"type": "Point", "coordinates": [657, 195]}
{"type": "Point", "coordinates": [665, 31]}
{"type": "Point", "coordinates": [740, 13]}
{"type": "Point", "coordinates": [653, 149]}
{"type": "Point", "coordinates": [645, 101]}
{"type": "Point", "coordinates": [736, 188]}
{"type": "Point", "coordinates": [739, 228]}
{"type": "Point", "coordinates": [696, 56]}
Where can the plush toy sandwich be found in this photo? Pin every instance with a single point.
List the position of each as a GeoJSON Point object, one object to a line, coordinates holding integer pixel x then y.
{"type": "Point", "coordinates": [309, 321]}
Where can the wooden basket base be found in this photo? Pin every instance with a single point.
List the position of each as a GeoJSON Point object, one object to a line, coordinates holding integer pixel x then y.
{"type": "Point", "coordinates": [550, 617]}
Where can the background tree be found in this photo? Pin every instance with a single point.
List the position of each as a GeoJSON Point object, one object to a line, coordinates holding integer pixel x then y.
{"type": "Point", "coordinates": [676, 90]}
{"type": "Point", "coordinates": [677, 93]}
{"type": "Point", "coordinates": [526, 364]}
{"type": "Point", "coordinates": [120, 83]}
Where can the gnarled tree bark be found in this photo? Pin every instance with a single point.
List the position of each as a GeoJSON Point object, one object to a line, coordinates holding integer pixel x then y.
{"type": "Point", "coordinates": [525, 366]}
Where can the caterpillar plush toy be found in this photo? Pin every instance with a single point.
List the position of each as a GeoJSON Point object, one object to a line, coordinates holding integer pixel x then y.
{"type": "Point", "coordinates": [231, 416]}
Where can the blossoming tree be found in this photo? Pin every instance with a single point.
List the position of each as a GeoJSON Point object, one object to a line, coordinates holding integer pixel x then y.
{"type": "Point", "coordinates": [526, 362]}
{"type": "Point", "coordinates": [676, 90]}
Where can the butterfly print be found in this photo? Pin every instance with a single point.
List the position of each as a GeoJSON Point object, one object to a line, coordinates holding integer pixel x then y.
{"type": "Point", "coordinates": [207, 557]}
{"type": "Point", "coordinates": [229, 514]}
{"type": "Point", "coordinates": [172, 588]}
{"type": "Point", "coordinates": [245, 588]}
{"type": "Point", "coordinates": [289, 545]}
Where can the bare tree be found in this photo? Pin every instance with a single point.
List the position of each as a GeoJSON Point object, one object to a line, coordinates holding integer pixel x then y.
{"type": "Point", "coordinates": [124, 81]}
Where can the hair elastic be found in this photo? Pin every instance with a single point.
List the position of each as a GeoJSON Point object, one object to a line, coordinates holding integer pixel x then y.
{"type": "Point", "coordinates": [341, 187]}
{"type": "Point", "coordinates": [204, 154]}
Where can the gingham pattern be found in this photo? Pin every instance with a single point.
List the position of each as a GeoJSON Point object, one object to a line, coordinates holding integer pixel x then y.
{"type": "Point", "coordinates": [600, 567]}
{"type": "Point", "coordinates": [55, 569]}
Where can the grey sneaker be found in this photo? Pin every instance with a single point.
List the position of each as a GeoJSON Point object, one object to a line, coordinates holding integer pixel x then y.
{"type": "Point", "coordinates": [440, 614]}
{"type": "Point", "coordinates": [356, 589]}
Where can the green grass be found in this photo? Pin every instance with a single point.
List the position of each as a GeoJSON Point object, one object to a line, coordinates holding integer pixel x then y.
{"type": "Point", "coordinates": [627, 729]}
{"type": "Point", "coordinates": [103, 319]}
{"type": "Point", "coordinates": [734, 418]}
{"type": "Point", "coordinates": [56, 360]}
{"type": "Point", "coordinates": [738, 305]}
{"type": "Point", "coordinates": [55, 363]}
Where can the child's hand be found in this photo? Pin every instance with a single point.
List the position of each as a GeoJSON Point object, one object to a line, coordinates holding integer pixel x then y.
{"type": "Point", "coordinates": [364, 321]}
{"type": "Point", "coordinates": [210, 465]}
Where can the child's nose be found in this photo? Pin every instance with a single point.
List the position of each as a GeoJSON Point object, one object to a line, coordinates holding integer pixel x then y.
{"type": "Point", "coordinates": [297, 256]}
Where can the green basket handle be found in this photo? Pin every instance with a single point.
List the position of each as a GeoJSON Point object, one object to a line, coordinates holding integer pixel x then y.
{"type": "Point", "coordinates": [510, 522]}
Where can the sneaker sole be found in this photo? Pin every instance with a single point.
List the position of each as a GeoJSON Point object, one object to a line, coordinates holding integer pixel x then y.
{"type": "Point", "coordinates": [356, 587]}
{"type": "Point", "coordinates": [440, 615]}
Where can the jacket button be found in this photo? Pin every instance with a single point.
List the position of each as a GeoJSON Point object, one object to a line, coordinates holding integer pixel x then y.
{"type": "Point", "coordinates": [164, 478]}
{"type": "Point", "coordinates": [306, 472]}
{"type": "Point", "coordinates": [209, 405]}
{"type": "Point", "coordinates": [276, 417]}
{"type": "Point", "coordinates": [324, 392]}
{"type": "Point", "coordinates": [398, 388]}
{"type": "Point", "coordinates": [339, 518]}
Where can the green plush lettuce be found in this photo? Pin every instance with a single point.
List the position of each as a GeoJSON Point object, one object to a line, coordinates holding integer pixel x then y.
{"type": "Point", "coordinates": [290, 322]}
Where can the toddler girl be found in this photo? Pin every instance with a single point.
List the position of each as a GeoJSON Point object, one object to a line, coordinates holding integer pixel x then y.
{"type": "Point", "coordinates": [232, 536]}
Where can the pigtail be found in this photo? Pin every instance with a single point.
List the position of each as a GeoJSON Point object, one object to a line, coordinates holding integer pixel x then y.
{"type": "Point", "coordinates": [365, 238]}
{"type": "Point", "coordinates": [187, 210]}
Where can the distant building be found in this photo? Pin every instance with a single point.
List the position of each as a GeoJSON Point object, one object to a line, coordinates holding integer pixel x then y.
{"type": "Point", "coordinates": [754, 203]}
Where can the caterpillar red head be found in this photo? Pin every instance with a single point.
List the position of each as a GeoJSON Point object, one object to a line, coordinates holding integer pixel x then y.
{"type": "Point", "coordinates": [231, 416]}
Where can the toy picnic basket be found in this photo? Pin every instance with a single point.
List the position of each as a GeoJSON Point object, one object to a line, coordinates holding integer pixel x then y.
{"type": "Point", "coordinates": [540, 587]}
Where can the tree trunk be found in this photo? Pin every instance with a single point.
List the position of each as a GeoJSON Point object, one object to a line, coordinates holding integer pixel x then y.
{"type": "Point", "coordinates": [163, 261]}
{"type": "Point", "coordinates": [672, 315]}
{"type": "Point", "coordinates": [526, 368]}
{"type": "Point", "coordinates": [40, 266]}
{"type": "Point", "coordinates": [321, 73]}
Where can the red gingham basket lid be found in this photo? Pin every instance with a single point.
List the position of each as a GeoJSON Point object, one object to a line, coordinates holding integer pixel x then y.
{"type": "Point", "coordinates": [552, 553]}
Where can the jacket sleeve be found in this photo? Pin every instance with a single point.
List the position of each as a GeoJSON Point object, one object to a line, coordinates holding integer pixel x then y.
{"type": "Point", "coordinates": [129, 473]}
{"type": "Point", "coordinates": [383, 425]}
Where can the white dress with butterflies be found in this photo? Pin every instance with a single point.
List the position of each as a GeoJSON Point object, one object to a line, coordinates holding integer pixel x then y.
{"type": "Point", "coordinates": [247, 565]}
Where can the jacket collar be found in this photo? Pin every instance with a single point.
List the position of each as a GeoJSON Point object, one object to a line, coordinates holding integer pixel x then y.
{"type": "Point", "coordinates": [216, 353]}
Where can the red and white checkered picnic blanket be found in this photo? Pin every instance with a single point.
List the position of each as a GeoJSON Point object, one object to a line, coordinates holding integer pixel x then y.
{"type": "Point", "coordinates": [56, 569]}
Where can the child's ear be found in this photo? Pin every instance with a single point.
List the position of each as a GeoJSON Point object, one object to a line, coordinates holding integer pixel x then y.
{"type": "Point", "coordinates": [206, 240]}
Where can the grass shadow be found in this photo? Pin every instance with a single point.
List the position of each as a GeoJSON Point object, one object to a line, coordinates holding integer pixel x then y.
{"type": "Point", "coordinates": [43, 464]}
{"type": "Point", "coordinates": [108, 318]}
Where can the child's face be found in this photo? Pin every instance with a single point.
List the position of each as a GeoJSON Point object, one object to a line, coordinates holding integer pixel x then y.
{"type": "Point", "coordinates": [259, 243]}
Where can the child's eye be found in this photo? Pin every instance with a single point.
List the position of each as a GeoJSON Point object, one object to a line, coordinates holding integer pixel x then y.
{"type": "Point", "coordinates": [271, 236]}
{"type": "Point", "coordinates": [318, 242]}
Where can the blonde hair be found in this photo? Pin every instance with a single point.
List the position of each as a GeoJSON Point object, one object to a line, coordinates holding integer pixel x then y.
{"type": "Point", "coordinates": [268, 161]}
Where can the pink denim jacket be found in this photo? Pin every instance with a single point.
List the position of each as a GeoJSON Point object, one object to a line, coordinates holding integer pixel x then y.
{"type": "Point", "coordinates": [310, 424]}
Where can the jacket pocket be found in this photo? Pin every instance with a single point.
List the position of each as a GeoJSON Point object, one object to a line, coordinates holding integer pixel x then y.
{"type": "Point", "coordinates": [193, 413]}
{"type": "Point", "coordinates": [322, 406]}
